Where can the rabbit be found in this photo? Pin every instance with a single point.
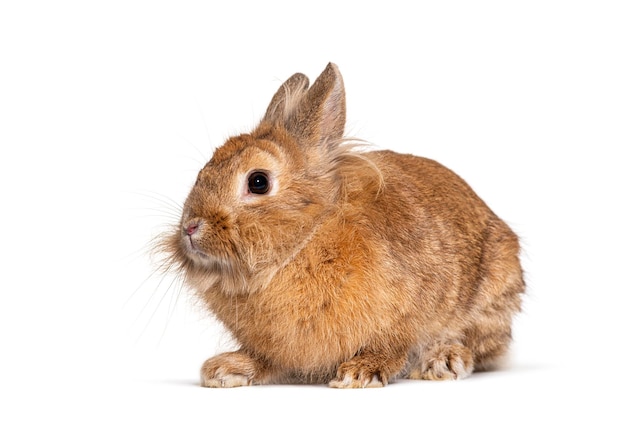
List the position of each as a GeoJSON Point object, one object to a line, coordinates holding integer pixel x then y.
{"type": "Point", "coordinates": [333, 264]}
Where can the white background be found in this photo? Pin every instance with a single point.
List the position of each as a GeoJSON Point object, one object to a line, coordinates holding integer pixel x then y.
{"type": "Point", "coordinates": [108, 110]}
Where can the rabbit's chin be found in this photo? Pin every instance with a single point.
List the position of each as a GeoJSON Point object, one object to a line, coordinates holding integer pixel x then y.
{"type": "Point", "coordinates": [205, 261]}
{"type": "Point", "coordinates": [203, 271]}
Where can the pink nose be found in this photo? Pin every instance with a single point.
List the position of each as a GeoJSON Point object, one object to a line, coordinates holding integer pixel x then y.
{"type": "Point", "coordinates": [192, 228]}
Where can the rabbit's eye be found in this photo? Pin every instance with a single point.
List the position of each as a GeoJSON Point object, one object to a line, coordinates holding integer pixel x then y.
{"type": "Point", "coordinates": [258, 183]}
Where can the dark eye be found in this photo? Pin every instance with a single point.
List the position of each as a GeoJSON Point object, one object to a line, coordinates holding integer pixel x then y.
{"type": "Point", "coordinates": [258, 183]}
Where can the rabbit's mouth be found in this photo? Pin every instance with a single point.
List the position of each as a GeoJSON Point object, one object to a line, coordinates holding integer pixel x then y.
{"type": "Point", "coordinates": [208, 259]}
{"type": "Point", "coordinates": [203, 271]}
{"type": "Point", "coordinates": [196, 254]}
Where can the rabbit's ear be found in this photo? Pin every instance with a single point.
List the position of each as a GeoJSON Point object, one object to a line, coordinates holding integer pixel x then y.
{"type": "Point", "coordinates": [321, 115]}
{"type": "Point", "coordinates": [286, 100]}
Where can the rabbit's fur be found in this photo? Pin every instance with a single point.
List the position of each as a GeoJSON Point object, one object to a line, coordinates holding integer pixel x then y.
{"type": "Point", "coordinates": [354, 267]}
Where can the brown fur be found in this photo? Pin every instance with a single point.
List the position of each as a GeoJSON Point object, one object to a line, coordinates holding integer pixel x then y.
{"type": "Point", "coordinates": [356, 269]}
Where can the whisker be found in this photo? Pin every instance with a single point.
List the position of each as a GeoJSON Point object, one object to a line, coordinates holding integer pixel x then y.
{"type": "Point", "coordinates": [164, 200]}
{"type": "Point", "coordinates": [164, 270]}
{"type": "Point", "coordinates": [195, 159]}
{"type": "Point", "coordinates": [170, 215]}
{"type": "Point", "coordinates": [170, 314]}
{"type": "Point", "coordinates": [137, 289]}
{"type": "Point", "coordinates": [147, 303]}
{"type": "Point", "coordinates": [152, 249]}
{"type": "Point", "coordinates": [167, 290]}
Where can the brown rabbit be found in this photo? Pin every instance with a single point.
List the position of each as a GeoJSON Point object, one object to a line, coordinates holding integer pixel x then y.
{"type": "Point", "coordinates": [334, 265]}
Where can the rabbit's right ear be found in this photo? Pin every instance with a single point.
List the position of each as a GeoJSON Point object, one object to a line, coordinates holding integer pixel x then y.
{"type": "Point", "coordinates": [286, 100]}
{"type": "Point", "coordinates": [316, 116]}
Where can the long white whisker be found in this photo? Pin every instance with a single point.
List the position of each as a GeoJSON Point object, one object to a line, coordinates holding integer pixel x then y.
{"type": "Point", "coordinates": [163, 200]}
{"type": "Point", "coordinates": [170, 215]}
{"type": "Point", "coordinates": [147, 303]}
{"type": "Point", "coordinates": [171, 308]}
{"type": "Point", "coordinates": [167, 290]}
{"type": "Point", "coordinates": [162, 270]}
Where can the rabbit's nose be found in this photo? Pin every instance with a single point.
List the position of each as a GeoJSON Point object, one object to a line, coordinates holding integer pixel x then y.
{"type": "Point", "coordinates": [192, 227]}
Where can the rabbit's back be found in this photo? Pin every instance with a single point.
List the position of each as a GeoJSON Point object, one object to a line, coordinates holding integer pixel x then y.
{"type": "Point", "coordinates": [449, 244]}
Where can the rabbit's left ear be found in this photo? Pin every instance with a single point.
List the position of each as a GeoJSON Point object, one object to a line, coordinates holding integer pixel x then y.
{"type": "Point", "coordinates": [320, 117]}
{"type": "Point", "coordinates": [286, 100]}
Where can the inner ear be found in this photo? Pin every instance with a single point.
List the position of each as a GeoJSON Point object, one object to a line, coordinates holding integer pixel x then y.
{"type": "Point", "coordinates": [321, 115]}
{"type": "Point", "coordinates": [333, 116]}
{"type": "Point", "coordinates": [286, 99]}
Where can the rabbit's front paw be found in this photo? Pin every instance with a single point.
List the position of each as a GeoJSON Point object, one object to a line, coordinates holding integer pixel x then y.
{"type": "Point", "coordinates": [445, 362]}
{"type": "Point", "coordinates": [356, 379]}
{"type": "Point", "coordinates": [225, 381]}
{"type": "Point", "coordinates": [367, 370]}
{"type": "Point", "coordinates": [228, 370]}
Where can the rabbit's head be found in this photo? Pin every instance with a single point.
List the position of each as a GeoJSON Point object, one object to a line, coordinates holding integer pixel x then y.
{"type": "Point", "coordinates": [259, 199]}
